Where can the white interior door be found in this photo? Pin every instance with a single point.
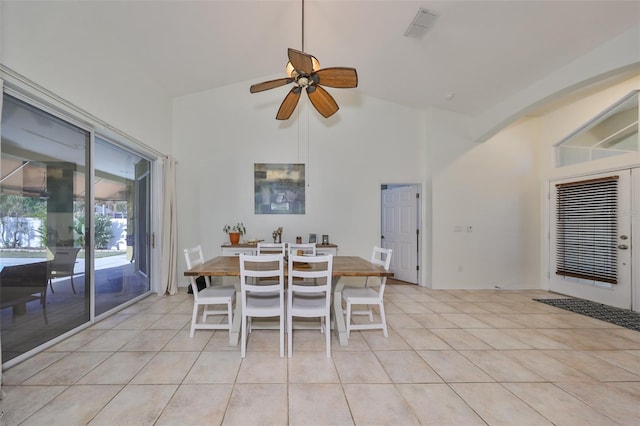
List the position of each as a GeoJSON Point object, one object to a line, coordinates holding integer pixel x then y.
{"type": "Point", "coordinates": [592, 219]}
{"type": "Point", "coordinates": [401, 229]}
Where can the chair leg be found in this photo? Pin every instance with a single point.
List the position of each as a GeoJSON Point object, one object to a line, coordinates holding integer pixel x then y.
{"type": "Point", "coordinates": [43, 302]}
{"type": "Point", "coordinates": [290, 336]}
{"type": "Point", "coordinates": [348, 319]}
{"type": "Point", "coordinates": [51, 286]}
{"type": "Point", "coordinates": [72, 286]}
{"type": "Point", "coordinates": [243, 337]}
{"type": "Point", "coordinates": [194, 319]}
{"type": "Point", "coordinates": [281, 334]}
{"type": "Point", "coordinates": [327, 335]}
{"type": "Point", "coordinates": [384, 320]}
{"type": "Point", "coordinates": [230, 313]}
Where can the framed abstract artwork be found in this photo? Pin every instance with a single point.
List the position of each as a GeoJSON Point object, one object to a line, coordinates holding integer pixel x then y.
{"type": "Point", "coordinates": [279, 188]}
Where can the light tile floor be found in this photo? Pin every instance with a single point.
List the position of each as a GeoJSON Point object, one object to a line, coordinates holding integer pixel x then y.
{"type": "Point", "coordinates": [451, 358]}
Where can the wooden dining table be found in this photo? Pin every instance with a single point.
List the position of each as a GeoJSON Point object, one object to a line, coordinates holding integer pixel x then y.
{"type": "Point", "coordinates": [343, 266]}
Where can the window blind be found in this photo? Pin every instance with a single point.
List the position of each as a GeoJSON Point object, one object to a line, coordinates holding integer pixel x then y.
{"type": "Point", "coordinates": [587, 229]}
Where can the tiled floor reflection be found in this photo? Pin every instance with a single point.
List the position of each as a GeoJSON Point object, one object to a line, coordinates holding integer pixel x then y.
{"type": "Point", "coordinates": [451, 358]}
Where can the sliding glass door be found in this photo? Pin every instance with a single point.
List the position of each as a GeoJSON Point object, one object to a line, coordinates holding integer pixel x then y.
{"type": "Point", "coordinates": [74, 226]}
{"type": "Point", "coordinates": [121, 225]}
{"type": "Point", "coordinates": [44, 290]}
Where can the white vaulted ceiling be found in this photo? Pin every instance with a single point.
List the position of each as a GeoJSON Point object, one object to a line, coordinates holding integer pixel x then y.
{"type": "Point", "coordinates": [480, 51]}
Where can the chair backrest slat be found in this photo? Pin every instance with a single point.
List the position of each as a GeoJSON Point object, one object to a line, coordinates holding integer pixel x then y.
{"type": "Point", "coordinates": [307, 248]}
{"type": "Point", "coordinates": [271, 248]}
{"type": "Point", "coordinates": [261, 266]}
{"type": "Point", "coordinates": [319, 267]}
{"type": "Point", "coordinates": [381, 256]}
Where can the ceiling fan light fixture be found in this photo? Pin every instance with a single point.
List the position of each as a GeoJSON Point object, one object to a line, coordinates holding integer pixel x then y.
{"type": "Point", "coordinates": [291, 72]}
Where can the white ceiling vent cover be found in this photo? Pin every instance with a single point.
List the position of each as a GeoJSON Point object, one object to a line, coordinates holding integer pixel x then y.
{"type": "Point", "coordinates": [421, 23]}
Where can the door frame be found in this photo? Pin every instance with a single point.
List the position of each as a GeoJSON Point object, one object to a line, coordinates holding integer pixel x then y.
{"type": "Point", "coordinates": [635, 236]}
{"type": "Point", "coordinates": [419, 236]}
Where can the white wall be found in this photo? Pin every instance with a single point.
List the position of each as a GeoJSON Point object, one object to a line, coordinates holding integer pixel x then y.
{"type": "Point", "coordinates": [493, 189]}
{"type": "Point", "coordinates": [497, 188]}
{"type": "Point", "coordinates": [220, 134]}
{"type": "Point", "coordinates": [621, 53]}
{"type": "Point", "coordinates": [448, 137]}
{"type": "Point", "coordinates": [100, 81]}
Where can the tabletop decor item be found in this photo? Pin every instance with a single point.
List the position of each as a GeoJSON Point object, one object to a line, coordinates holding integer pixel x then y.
{"type": "Point", "coordinates": [312, 238]}
{"type": "Point", "coordinates": [235, 232]}
{"type": "Point", "coordinates": [277, 235]}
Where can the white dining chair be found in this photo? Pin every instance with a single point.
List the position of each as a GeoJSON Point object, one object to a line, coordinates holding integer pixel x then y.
{"type": "Point", "coordinates": [369, 296]}
{"type": "Point", "coordinates": [308, 249]}
{"type": "Point", "coordinates": [309, 301]}
{"type": "Point", "coordinates": [271, 248]}
{"type": "Point", "coordinates": [208, 296]}
{"type": "Point", "coordinates": [261, 300]}
{"type": "Point", "coordinates": [380, 257]}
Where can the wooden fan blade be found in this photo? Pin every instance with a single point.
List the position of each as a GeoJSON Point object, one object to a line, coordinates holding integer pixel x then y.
{"type": "Point", "coordinates": [289, 104]}
{"type": "Point", "coordinates": [341, 77]}
{"type": "Point", "coordinates": [301, 61]}
{"type": "Point", "coordinates": [271, 84]}
{"type": "Point", "coordinates": [322, 100]}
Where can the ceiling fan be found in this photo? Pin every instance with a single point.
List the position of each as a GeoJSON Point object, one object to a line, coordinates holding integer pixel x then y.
{"type": "Point", "coordinates": [303, 70]}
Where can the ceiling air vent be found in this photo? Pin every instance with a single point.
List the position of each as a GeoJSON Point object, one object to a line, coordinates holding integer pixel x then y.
{"type": "Point", "coordinates": [421, 23]}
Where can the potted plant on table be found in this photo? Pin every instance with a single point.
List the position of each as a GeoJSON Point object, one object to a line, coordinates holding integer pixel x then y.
{"type": "Point", "coordinates": [235, 232]}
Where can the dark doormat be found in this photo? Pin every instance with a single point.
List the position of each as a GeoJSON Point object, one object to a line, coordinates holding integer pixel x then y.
{"type": "Point", "coordinates": [622, 317]}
